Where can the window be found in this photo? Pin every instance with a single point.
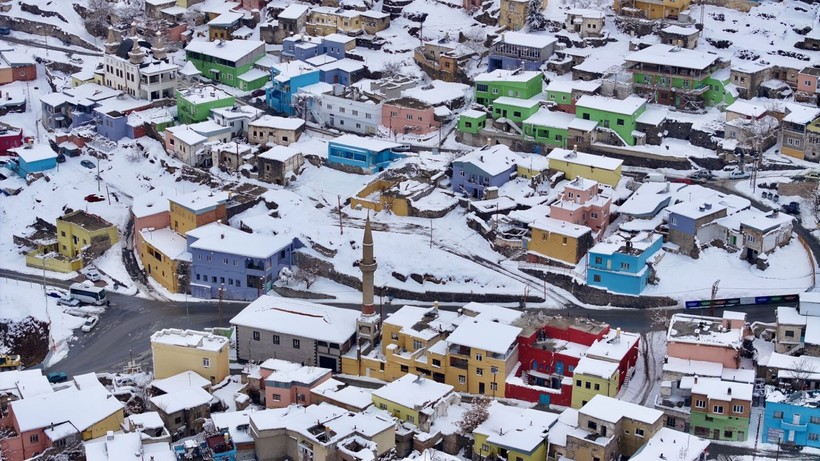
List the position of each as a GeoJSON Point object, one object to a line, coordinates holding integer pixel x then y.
{"type": "Point", "coordinates": [778, 415]}
{"type": "Point", "coordinates": [462, 379]}
{"type": "Point", "coordinates": [206, 362]}
{"type": "Point", "coordinates": [34, 438]}
{"type": "Point", "coordinates": [394, 114]}
{"type": "Point", "coordinates": [599, 260]}
{"type": "Point", "coordinates": [411, 419]}
{"type": "Point", "coordinates": [276, 397]}
{"type": "Point", "coordinates": [577, 383]}
{"type": "Point", "coordinates": [737, 409]}
{"type": "Point", "coordinates": [564, 240]}
{"type": "Point", "coordinates": [409, 116]}
{"type": "Point", "coordinates": [790, 333]}
{"type": "Point", "coordinates": [225, 260]}
{"type": "Point", "coordinates": [436, 363]}
{"type": "Point", "coordinates": [479, 357]}
{"type": "Point", "coordinates": [597, 387]}
{"type": "Point", "coordinates": [296, 344]}
{"type": "Point", "coordinates": [639, 432]}
{"type": "Point", "coordinates": [495, 91]}
{"type": "Point", "coordinates": [341, 110]}
{"type": "Point", "coordinates": [368, 116]}
{"type": "Point", "coordinates": [619, 122]}
{"type": "Point", "coordinates": [671, 421]}
{"type": "Point", "coordinates": [592, 425]}
{"type": "Point", "coordinates": [275, 339]}
{"type": "Point", "coordinates": [814, 437]}
{"type": "Point", "coordinates": [493, 387]}
{"type": "Point", "coordinates": [588, 385]}
{"type": "Point", "coordinates": [355, 112]}
{"type": "Point", "coordinates": [594, 215]}
{"type": "Point", "coordinates": [404, 369]}
{"type": "Point", "coordinates": [394, 336]}
{"type": "Point", "coordinates": [585, 116]}
{"type": "Point", "coordinates": [717, 409]}
{"type": "Point", "coordinates": [728, 434]}
{"type": "Point", "coordinates": [624, 266]}
{"type": "Point", "coordinates": [596, 278]}
{"type": "Point", "coordinates": [700, 403]}
{"type": "Point", "coordinates": [815, 419]}
{"type": "Point", "coordinates": [256, 336]}
{"type": "Point", "coordinates": [485, 447]}
{"type": "Point", "coordinates": [493, 370]}
{"type": "Point", "coordinates": [417, 345]}
{"type": "Point", "coordinates": [479, 372]}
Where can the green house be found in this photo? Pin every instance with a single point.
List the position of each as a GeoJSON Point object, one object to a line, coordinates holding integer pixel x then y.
{"type": "Point", "coordinates": [472, 121]}
{"type": "Point", "coordinates": [230, 63]}
{"type": "Point", "coordinates": [619, 115]}
{"type": "Point", "coordinates": [549, 127]}
{"type": "Point", "coordinates": [194, 104]}
{"type": "Point", "coordinates": [490, 86]}
{"type": "Point", "coordinates": [564, 93]}
{"type": "Point", "coordinates": [516, 109]}
{"type": "Point", "coordinates": [721, 89]}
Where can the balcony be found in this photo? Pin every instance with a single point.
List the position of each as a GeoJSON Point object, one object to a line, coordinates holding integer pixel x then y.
{"type": "Point", "coordinates": [458, 363]}
{"type": "Point", "coordinates": [793, 427]}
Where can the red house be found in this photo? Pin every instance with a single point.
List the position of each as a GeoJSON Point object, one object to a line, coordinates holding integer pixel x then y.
{"type": "Point", "coordinates": [10, 137]}
{"type": "Point", "coordinates": [547, 357]}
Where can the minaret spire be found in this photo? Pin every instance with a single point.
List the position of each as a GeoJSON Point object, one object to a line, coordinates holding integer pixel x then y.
{"type": "Point", "coordinates": [368, 267]}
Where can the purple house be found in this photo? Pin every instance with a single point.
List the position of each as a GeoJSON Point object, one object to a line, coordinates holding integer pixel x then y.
{"type": "Point", "coordinates": [301, 47]}
{"type": "Point", "coordinates": [489, 166]}
{"type": "Point", "coordinates": [343, 72]}
{"type": "Point", "coordinates": [242, 265]}
{"type": "Point", "coordinates": [337, 45]}
{"type": "Point", "coordinates": [111, 116]}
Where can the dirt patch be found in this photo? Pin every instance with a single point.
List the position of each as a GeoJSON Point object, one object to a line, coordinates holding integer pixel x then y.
{"type": "Point", "coordinates": [29, 338]}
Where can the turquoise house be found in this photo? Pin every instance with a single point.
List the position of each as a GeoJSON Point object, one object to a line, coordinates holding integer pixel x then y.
{"type": "Point", "coordinates": [368, 155]}
{"type": "Point", "coordinates": [32, 159]}
{"type": "Point", "coordinates": [792, 418]}
{"type": "Point", "coordinates": [623, 264]}
{"type": "Point", "coordinates": [287, 79]}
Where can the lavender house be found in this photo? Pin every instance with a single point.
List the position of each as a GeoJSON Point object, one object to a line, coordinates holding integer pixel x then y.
{"type": "Point", "coordinates": [111, 116]}
{"type": "Point", "coordinates": [301, 47]}
{"type": "Point", "coordinates": [242, 265]}
{"type": "Point", "coordinates": [489, 166]}
{"type": "Point", "coordinates": [343, 72]}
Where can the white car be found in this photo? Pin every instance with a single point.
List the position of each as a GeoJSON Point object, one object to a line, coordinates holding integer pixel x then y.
{"type": "Point", "coordinates": [68, 302]}
{"type": "Point", "coordinates": [738, 174]}
{"type": "Point", "coordinates": [93, 275]}
{"type": "Point", "coordinates": [90, 323]}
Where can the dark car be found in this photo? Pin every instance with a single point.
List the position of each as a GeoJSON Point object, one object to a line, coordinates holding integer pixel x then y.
{"type": "Point", "coordinates": [88, 164]}
{"type": "Point", "coordinates": [57, 377]}
{"type": "Point", "coordinates": [61, 158]}
{"type": "Point", "coordinates": [257, 93]}
{"type": "Point", "coordinates": [792, 208]}
{"type": "Point", "coordinates": [5, 31]}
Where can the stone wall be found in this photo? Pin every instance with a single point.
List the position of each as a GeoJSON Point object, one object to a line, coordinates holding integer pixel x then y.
{"type": "Point", "coordinates": [43, 29]}
{"type": "Point", "coordinates": [805, 189]}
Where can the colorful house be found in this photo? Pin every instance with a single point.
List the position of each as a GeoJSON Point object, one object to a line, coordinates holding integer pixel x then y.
{"type": "Point", "coordinates": [10, 137]}
{"type": "Point", "coordinates": [653, 10]}
{"type": "Point", "coordinates": [556, 239]}
{"type": "Point", "coordinates": [595, 167]}
{"type": "Point", "coordinates": [287, 383]}
{"type": "Point", "coordinates": [721, 409]}
{"type": "Point", "coordinates": [112, 116]}
{"type": "Point", "coordinates": [552, 128]}
{"type": "Point", "coordinates": [594, 377]}
{"type": "Point", "coordinates": [175, 351]}
{"type": "Point", "coordinates": [78, 231]}
{"type": "Point", "coordinates": [583, 204]}
{"type": "Point", "coordinates": [408, 115]}
{"type": "Point", "coordinates": [807, 81]}
{"type": "Point", "coordinates": [516, 109]}
{"type": "Point", "coordinates": [288, 78]}
{"type": "Point", "coordinates": [472, 121]}
{"type": "Point", "coordinates": [196, 209]}
{"type": "Point", "coordinates": [516, 50]}
{"type": "Point", "coordinates": [565, 93]}
{"type": "Point", "coordinates": [280, 131]}
{"type": "Point", "coordinates": [195, 104]}
{"type": "Point", "coordinates": [513, 13]}
{"type": "Point", "coordinates": [415, 399]}
{"type": "Point", "coordinates": [800, 132]}
{"type": "Point", "coordinates": [618, 116]}
{"type": "Point", "coordinates": [363, 154]}
{"type": "Point", "coordinates": [227, 62]}
{"type": "Point", "coordinates": [493, 440]}
{"type": "Point", "coordinates": [489, 166]}
{"type": "Point", "coordinates": [490, 86]}
{"type": "Point", "coordinates": [623, 264]}
{"type": "Point", "coordinates": [32, 158]}
{"type": "Point", "coordinates": [707, 339]}
{"type": "Point", "coordinates": [343, 71]}
{"type": "Point", "coordinates": [792, 418]}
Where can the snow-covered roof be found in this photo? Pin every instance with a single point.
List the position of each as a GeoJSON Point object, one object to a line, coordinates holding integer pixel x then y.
{"type": "Point", "coordinates": [423, 323]}
{"type": "Point", "coordinates": [413, 392]}
{"type": "Point", "coordinates": [181, 382]}
{"type": "Point", "coordinates": [147, 420]}
{"type": "Point", "coordinates": [374, 14]}
{"type": "Point", "coordinates": [491, 312]}
{"type": "Point", "coordinates": [185, 134]}
{"type": "Point", "coordinates": [25, 383]}
{"type": "Point", "coordinates": [747, 108]}
{"type": "Point", "coordinates": [528, 40]}
{"type": "Point", "coordinates": [696, 209]}
{"type": "Point", "coordinates": [204, 94]}
{"type": "Point", "coordinates": [201, 200]}
{"type": "Point", "coordinates": [493, 160]}
{"type": "Point", "coordinates": [668, 55]}
{"type": "Point", "coordinates": [189, 69]}
{"type": "Point", "coordinates": [593, 367]}
{"type": "Point", "coordinates": [627, 106]}
{"type": "Point", "coordinates": [168, 242]}
{"type": "Point", "coordinates": [567, 86]}
{"type": "Point", "coordinates": [232, 421]}
{"type": "Point", "coordinates": [253, 74]}
{"type": "Point", "coordinates": [82, 408]}
{"type": "Point", "coordinates": [618, 243]}
{"type": "Point", "coordinates": [337, 391]}
{"type": "Point", "coordinates": [278, 123]}
{"type": "Point", "coordinates": [117, 447]}
{"type": "Point", "coordinates": [338, 38]}
{"type": "Point", "coordinates": [509, 76]}
{"type": "Point", "coordinates": [586, 13]}
{"type": "Point", "coordinates": [17, 58]}
{"type": "Point", "coordinates": [717, 389]}
{"type": "Point", "coordinates": [340, 423]}
{"type": "Point", "coordinates": [614, 346]}
{"type": "Point", "coordinates": [371, 144]}
{"type": "Point", "coordinates": [800, 114]}
{"type": "Point", "coordinates": [514, 428]}
{"type": "Point", "coordinates": [678, 30]}
{"type": "Point", "coordinates": [653, 115]}
{"type": "Point", "coordinates": [116, 106]}
{"type": "Point", "coordinates": [648, 198]}
{"type": "Point", "coordinates": [283, 371]}
{"type": "Point", "coordinates": [582, 158]}
{"type": "Point", "coordinates": [613, 410]}
{"type": "Point", "coordinates": [181, 400]}
{"type": "Point", "coordinates": [345, 65]}
{"type": "Point", "coordinates": [671, 445]}
{"type": "Point", "coordinates": [688, 367]}
{"type": "Point", "coordinates": [437, 92]}
{"type": "Point", "coordinates": [549, 118]}
{"type": "Point", "coordinates": [321, 60]}
{"type": "Point", "coordinates": [485, 335]}
{"type": "Point", "coordinates": [230, 51]}
{"type": "Point", "coordinates": [559, 227]}
{"type": "Point", "coordinates": [88, 381]}
{"type": "Point", "coordinates": [221, 238]}
{"type": "Point", "coordinates": [472, 113]}
{"type": "Point", "coordinates": [704, 330]}
{"type": "Point", "coordinates": [280, 153]}
{"type": "Point", "coordinates": [190, 339]}
{"type": "Point", "coordinates": [294, 11]}
{"type": "Point", "coordinates": [227, 18]}
{"type": "Point", "coordinates": [34, 153]}
{"type": "Point", "coordinates": [299, 318]}
{"type": "Point", "coordinates": [519, 102]}
{"type": "Point", "coordinates": [287, 70]}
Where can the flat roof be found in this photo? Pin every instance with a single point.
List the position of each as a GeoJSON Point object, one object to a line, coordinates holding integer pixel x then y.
{"type": "Point", "coordinates": [485, 335]}
{"type": "Point", "coordinates": [413, 392]}
{"type": "Point", "coordinates": [668, 55]}
{"type": "Point", "coordinates": [232, 50]}
{"type": "Point", "coordinates": [192, 339]}
{"type": "Point", "coordinates": [220, 238]}
{"type": "Point", "coordinates": [627, 106]}
{"type": "Point", "coordinates": [202, 199]}
{"type": "Point", "coordinates": [299, 318]}
{"type": "Point", "coordinates": [559, 227]}
{"type": "Point", "coordinates": [582, 158]}
{"type": "Point", "coordinates": [612, 410]}
{"type": "Point", "coordinates": [371, 144]}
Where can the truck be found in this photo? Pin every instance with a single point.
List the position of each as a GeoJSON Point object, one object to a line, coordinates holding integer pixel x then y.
{"type": "Point", "coordinates": [792, 208]}
{"type": "Point", "coordinates": [10, 362]}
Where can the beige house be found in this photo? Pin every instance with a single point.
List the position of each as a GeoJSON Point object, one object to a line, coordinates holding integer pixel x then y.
{"type": "Point", "coordinates": [175, 351]}
{"type": "Point", "coordinates": [513, 13]}
{"type": "Point", "coordinates": [328, 20]}
{"type": "Point", "coordinates": [279, 164]}
{"type": "Point", "coordinates": [277, 130]}
{"type": "Point", "coordinates": [585, 22]}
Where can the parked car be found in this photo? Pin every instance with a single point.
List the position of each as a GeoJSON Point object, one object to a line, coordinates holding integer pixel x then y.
{"type": "Point", "coordinates": [57, 377]}
{"type": "Point", "coordinates": [702, 174]}
{"type": "Point", "coordinates": [75, 60]}
{"type": "Point", "coordinates": [738, 174]}
{"type": "Point", "coordinates": [5, 31]}
{"type": "Point", "coordinates": [88, 164]}
{"type": "Point", "coordinates": [257, 93]}
{"type": "Point", "coordinates": [90, 323]}
{"type": "Point", "coordinates": [814, 174]}
{"type": "Point", "coordinates": [68, 302]}
{"type": "Point", "coordinates": [792, 208]}
{"type": "Point", "coordinates": [728, 168]}
{"type": "Point", "coordinates": [402, 148]}
{"type": "Point", "coordinates": [93, 275]}
{"type": "Point", "coordinates": [56, 293]}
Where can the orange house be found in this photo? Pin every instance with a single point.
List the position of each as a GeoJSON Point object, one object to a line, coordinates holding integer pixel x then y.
{"type": "Point", "coordinates": [583, 204]}
{"type": "Point", "coordinates": [408, 115]}
{"type": "Point", "coordinates": [707, 339]}
{"type": "Point", "coordinates": [288, 383]}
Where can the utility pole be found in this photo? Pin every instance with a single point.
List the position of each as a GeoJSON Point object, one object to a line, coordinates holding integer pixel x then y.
{"type": "Point", "coordinates": [339, 201]}
{"type": "Point", "coordinates": [714, 295]}
{"type": "Point", "coordinates": [431, 233]}
{"type": "Point", "coordinates": [98, 173]}
{"type": "Point", "coordinates": [221, 296]}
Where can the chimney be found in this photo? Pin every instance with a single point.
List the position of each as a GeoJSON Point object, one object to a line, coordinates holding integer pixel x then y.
{"type": "Point", "coordinates": [729, 391]}
{"type": "Point", "coordinates": [109, 435]}
{"type": "Point", "coordinates": [618, 332]}
{"type": "Point", "coordinates": [696, 379]}
{"type": "Point", "coordinates": [435, 307]}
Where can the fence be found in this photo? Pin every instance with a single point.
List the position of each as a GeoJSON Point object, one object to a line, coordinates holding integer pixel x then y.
{"type": "Point", "coordinates": [811, 260]}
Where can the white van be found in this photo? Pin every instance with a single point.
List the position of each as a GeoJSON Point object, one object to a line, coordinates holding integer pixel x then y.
{"type": "Point", "coordinates": [654, 177]}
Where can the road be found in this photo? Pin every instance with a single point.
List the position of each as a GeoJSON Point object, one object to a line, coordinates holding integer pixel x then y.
{"type": "Point", "coordinates": [38, 44]}
{"type": "Point", "coordinates": [127, 325]}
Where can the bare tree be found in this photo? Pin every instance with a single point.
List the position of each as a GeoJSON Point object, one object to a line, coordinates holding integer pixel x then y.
{"type": "Point", "coordinates": [131, 11]}
{"type": "Point", "coordinates": [600, 5]}
{"type": "Point", "coordinates": [803, 370]}
{"type": "Point", "coordinates": [99, 17]}
{"type": "Point", "coordinates": [307, 273]}
{"type": "Point", "coordinates": [475, 40]}
{"type": "Point", "coordinates": [660, 318]}
{"type": "Point", "coordinates": [475, 415]}
{"type": "Point", "coordinates": [392, 68]}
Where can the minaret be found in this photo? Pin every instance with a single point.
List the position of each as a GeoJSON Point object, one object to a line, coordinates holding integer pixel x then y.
{"type": "Point", "coordinates": [136, 56]}
{"type": "Point", "coordinates": [158, 51]}
{"type": "Point", "coordinates": [111, 42]}
{"type": "Point", "coordinates": [368, 325]}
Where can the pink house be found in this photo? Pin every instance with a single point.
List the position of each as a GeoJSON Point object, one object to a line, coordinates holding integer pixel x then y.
{"type": "Point", "coordinates": [708, 339]}
{"type": "Point", "coordinates": [251, 5]}
{"type": "Point", "coordinates": [287, 383]}
{"type": "Point", "coordinates": [152, 209]}
{"type": "Point", "coordinates": [582, 203]}
{"type": "Point", "coordinates": [408, 115]}
{"type": "Point", "coordinates": [807, 80]}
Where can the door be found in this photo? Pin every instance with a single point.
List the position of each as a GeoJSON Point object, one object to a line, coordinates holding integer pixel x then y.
{"type": "Point", "coordinates": [481, 388]}
{"type": "Point", "coordinates": [559, 368]}
{"type": "Point", "coordinates": [327, 362]}
{"type": "Point", "coordinates": [544, 399]}
{"type": "Point", "coordinates": [716, 434]}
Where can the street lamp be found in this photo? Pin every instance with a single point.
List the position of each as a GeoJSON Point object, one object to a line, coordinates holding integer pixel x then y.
{"type": "Point", "coordinates": [181, 277]}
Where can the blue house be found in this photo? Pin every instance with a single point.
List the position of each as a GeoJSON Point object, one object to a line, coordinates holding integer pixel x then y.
{"type": "Point", "coordinates": [242, 265]}
{"type": "Point", "coordinates": [342, 72]}
{"type": "Point", "coordinates": [287, 79]}
{"type": "Point", "coordinates": [489, 166]}
{"type": "Point", "coordinates": [623, 264]}
{"type": "Point", "coordinates": [112, 116]}
{"type": "Point", "coordinates": [337, 45]}
{"type": "Point", "coordinates": [32, 158]}
{"type": "Point", "coordinates": [792, 418]}
{"type": "Point", "coordinates": [368, 154]}
{"type": "Point", "coordinates": [74, 106]}
{"type": "Point", "coordinates": [517, 50]}
{"type": "Point", "coordinates": [689, 220]}
{"type": "Point", "coordinates": [301, 47]}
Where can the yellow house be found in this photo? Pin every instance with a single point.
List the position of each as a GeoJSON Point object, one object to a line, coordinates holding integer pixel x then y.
{"type": "Point", "coordinates": [593, 377]}
{"type": "Point", "coordinates": [512, 433]}
{"type": "Point", "coordinates": [198, 208]}
{"type": "Point", "coordinates": [78, 230]}
{"type": "Point", "coordinates": [82, 77]}
{"type": "Point", "coordinates": [554, 239]}
{"type": "Point", "coordinates": [175, 351]}
{"type": "Point", "coordinates": [572, 163]}
{"type": "Point", "coordinates": [415, 399]}
{"type": "Point", "coordinates": [513, 14]}
{"type": "Point", "coordinates": [164, 254]}
{"type": "Point", "coordinates": [325, 20]}
{"type": "Point", "coordinates": [532, 165]}
{"type": "Point", "coordinates": [654, 9]}
{"type": "Point", "coordinates": [473, 355]}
